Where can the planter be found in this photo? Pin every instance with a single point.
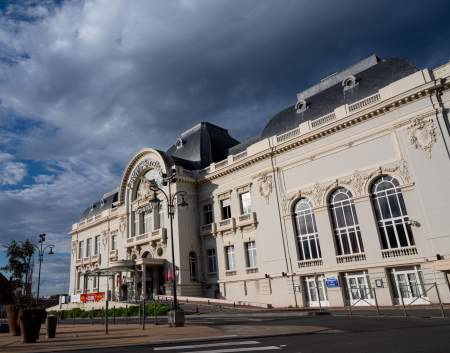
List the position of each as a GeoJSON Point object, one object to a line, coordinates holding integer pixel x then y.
{"type": "Point", "coordinates": [30, 324]}
{"type": "Point", "coordinates": [11, 314]}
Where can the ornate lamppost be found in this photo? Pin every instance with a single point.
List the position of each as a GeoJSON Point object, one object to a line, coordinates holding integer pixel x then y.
{"type": "Point", "coordinates": [41, 250]}
{"type": "Point", "coordinates": [176, 317]}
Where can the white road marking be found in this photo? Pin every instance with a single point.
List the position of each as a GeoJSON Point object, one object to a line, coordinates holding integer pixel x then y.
{"type": "Point", "coordinates": [206, 345]}
{"type": "Point", "coordinates": [243, 349]}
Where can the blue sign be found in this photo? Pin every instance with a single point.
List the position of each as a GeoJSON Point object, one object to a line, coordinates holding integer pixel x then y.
{"type": "Point", "coordinates": [332, 282]}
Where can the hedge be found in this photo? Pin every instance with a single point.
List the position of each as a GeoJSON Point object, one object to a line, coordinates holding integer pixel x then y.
{"type": "Point", "coordinates": [132, 310]}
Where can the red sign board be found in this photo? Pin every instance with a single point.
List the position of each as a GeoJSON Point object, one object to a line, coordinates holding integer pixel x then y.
{"type": "Point", "coordinates": [92, 297]}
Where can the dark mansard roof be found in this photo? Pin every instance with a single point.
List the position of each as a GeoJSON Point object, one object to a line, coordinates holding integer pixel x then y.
{"type": "Point", "coordinates": [201, 145]}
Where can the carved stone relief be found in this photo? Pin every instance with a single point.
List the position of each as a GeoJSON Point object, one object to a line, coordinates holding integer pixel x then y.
{"type": "Point", "coordinates": [123, 224]}
{"type": "Point", "coordinates": [358, 182]}
{"type": "Point", "coordinates": [422, 134]}
{"type": "Point", "coordinates": [266, 186]}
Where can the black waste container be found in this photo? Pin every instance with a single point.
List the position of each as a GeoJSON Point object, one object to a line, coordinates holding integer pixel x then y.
{"type": "Point", "coordinates": [51, 326]}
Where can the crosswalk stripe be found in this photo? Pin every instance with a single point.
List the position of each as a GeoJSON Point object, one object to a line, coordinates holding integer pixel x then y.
{"type": "Point", "coordinates": [206, 345]}
{"type": "Point", "coordinates": [240, 349]}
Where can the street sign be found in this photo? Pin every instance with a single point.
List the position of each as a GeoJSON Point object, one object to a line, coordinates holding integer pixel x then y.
{"type": "Point", "coordinates": [332, 282]}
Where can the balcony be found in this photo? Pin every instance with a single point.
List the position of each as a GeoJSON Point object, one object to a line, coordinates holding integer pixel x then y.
{"type": "Point", "coordinates": [113, 254]}
{"type": "Point", "coordinates": [79, 262]}
{"type": "Point", "coordinates": [226, 225]}
{"type": "Point", "coordinates": [248, 219]}
{"type": "Point", "coordinates": [343, 259]}
{"type": "Point", "coordinates": [230, 272]}
{"type": "Point", "coordinates": [130, 241]}
{"type": "Point", "coordinates": [208, 229]}
{"type": "Point", "coordinates": [310, 263]}
{"type": "Point", "coordinates": [141, 239]}
{"type": "Point", "coordinates": [159, 234]}
{"type": "Point", "coordinates": [399, 252]}
{"type": "Point", "coordinates": [95, 258]}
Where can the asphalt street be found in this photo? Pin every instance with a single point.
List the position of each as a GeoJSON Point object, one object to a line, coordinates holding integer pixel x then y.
{"type": "Point", "coordinates": [344, 334]}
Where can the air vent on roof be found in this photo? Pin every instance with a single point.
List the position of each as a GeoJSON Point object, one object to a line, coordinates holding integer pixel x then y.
{"type": "Point", "coordinates": [301, 106]}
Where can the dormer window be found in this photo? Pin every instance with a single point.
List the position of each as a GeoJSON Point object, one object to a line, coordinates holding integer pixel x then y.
{"type": "Point", "coordinates": [179, 143]}
{"type": "Point", "coordinates": [301, 106]}
{"type": "Point", "coordinates": [349, 82]}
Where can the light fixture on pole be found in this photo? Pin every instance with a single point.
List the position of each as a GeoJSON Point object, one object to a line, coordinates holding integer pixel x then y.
{"type": "Point", "coordinates": [41, 251]}
{"type": "Point", "coordinates": [176, 317]}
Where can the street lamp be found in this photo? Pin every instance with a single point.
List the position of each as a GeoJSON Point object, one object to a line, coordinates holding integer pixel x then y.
{"type": "Point", "coordinates": [176, 318]}
{"type": "Point", "coordinates": [41, 250]}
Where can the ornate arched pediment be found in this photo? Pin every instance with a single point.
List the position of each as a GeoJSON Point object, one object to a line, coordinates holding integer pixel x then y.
{"type": "Point", "coordinates": [143, 161]}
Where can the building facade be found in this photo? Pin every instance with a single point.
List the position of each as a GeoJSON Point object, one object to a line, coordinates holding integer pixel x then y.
{"type": "Point", "coordinates": [341, 199]}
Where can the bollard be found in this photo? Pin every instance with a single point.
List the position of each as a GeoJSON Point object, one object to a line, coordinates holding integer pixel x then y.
{"type": "Point", "coordinates": [155, 314]}
{"type": "Point", "coordinates": [376, 301]}
{"type": "Point", "coordinates": [143, 312]}
{"type": "Point", "coordinates": [114, 315]}
{"type": "Point", "coordinates": [405, 314]}
{"type": "Point", "coordinates": [106, 317]}
{"type": "Point", "coordinates": [92, 316]}
{"type": "Point", "coordinates": [139, 313]}
{"type": "Point", "coordinates": [73, 317]}
{"type": "Point", "coordinates": [51, 326]}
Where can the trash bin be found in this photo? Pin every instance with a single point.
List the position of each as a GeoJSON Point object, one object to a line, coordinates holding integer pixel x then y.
{"type": "Point", "coordinates": [51, 326]}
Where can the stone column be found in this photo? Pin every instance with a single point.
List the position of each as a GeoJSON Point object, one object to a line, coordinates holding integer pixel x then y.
{"type": "Point", "coordinates": [155, 277]}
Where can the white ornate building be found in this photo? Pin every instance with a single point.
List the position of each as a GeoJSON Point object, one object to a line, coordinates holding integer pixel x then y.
{"type": "Point", "coordinates": [342, 198]}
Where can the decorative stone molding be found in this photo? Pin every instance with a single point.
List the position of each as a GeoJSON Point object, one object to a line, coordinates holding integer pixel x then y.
{"type": "Point", "coordinates": [243, 188]}
{"type": "Point", "coordinates": [359, 183]}
{"type": "Point", "coordinates": [224, 195]}
{"type": "Point", "coordinates": [123, 224]}
{"type": "Point", "coordinates": [422, 134]}
{"type": "Point", "coordinates": [105, 238]}
{"type": "Point", "coordinates": [140, 168]}
{"type": "Point", "coordinates": [265, 186]}
{"type": "Point", "coordinates": [74, 247]}
{"type": "Point", "coordinates": [316, 193]}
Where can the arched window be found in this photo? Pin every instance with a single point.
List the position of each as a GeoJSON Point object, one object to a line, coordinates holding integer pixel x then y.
{"type": "Point", "coordinates": [308, 241]}
{"type": "Point", "coordinates": [391, 214]}
{"type": "Point", "coordinates": [193, 266]}
{"type": "Point", "coordinates": [346, 227]}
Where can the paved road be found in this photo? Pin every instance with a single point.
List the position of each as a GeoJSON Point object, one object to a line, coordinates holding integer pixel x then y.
{"type": "Point", "coordinates": [345, 335]}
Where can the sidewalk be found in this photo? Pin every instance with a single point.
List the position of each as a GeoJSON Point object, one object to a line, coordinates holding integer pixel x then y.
{"type": "Point", "coordinates": [86, 336]}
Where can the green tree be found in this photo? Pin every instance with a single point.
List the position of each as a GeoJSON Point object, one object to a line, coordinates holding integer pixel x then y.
{"type": "Point", "coordinates": [19, 265]}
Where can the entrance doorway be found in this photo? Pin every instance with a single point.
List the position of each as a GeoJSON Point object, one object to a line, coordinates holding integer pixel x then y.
{"type": "Point", "coordinates": [315, 291]}
{"type": "Point", "coordinates": [408, 283]}
{"type": "Point", "coordinates": [358, 287]}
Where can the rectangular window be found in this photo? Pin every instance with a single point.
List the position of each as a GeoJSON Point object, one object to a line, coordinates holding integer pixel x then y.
{"type": "Point", "coordinates": [212, 262]}
{"type": "Point", "coordinates": [162, 216]}
{"type": "Point", "coordinates": [147, 222]}
{"type": "Point", "coordinates": [226, 208]}
{"type": "Point", "coordinates": [229, 256]}
{"type": "Point", "coordinates": [80, 249]}
{"type": "Point", "coordinates": [208, 214]}
{"type": "Point", "coordinates": [88, 247]}
{"type": "Point", "coordinates": [114, 242]}
{"type": "Point", "coordinates": [250, 249]}
{"type": "Point", "coordinates": [246, 202]}
{"type": "Point", "coordinates": [79, 280]}
{"type": "Point", "coordinates": [97, 245]}
{"type": "Point", "coordinates": [95, 282]}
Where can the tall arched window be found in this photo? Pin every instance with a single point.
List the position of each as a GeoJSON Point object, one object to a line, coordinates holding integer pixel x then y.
{"type": "Point", "coordinates": [346, 227]}
{"type": "Point", "coordinates": [193, 266]}
{"type": "Point", "coordinates": [391, 214]}
{"type": "Point", "coordinates": [308, 241]}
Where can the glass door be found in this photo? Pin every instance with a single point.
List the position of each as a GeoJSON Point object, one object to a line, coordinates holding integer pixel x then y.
{"type": "Point", "coordinates": [316, 290]}
{"type": "Point", "coordinates": [359, 290]}
{"type": "Point", "coordinates": [409, 285]}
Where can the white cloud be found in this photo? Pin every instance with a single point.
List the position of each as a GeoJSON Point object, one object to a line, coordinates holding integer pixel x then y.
{"type": "Point", "coordinates": [11, 171]}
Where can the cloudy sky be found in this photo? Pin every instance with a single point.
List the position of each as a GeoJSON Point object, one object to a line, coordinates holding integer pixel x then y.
{"type": "Point", "coordinates": [84, 84]}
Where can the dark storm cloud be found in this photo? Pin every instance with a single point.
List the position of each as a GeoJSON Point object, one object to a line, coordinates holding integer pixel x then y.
{"type": "Point", "coordinates": [94, 81]}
